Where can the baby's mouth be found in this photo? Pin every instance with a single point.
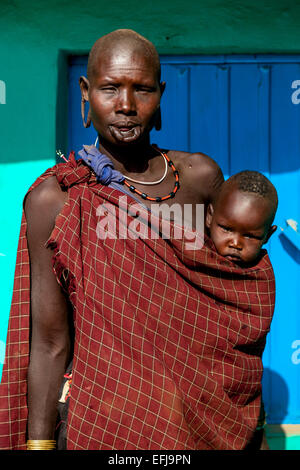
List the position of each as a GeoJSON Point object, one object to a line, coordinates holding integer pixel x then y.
{"type": "Point", "coordinates": [235, 258]}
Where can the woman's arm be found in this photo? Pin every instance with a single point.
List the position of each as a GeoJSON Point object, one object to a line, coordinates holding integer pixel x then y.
{"type": "Point", "coordinates": [50, 338]}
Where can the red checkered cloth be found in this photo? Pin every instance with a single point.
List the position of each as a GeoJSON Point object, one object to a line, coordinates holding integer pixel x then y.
{"type": "Point", "coordinates": [168, 341]}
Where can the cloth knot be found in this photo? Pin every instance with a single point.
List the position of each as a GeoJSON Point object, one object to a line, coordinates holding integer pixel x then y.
{"type": "Point", "coordinates": [101, 165]}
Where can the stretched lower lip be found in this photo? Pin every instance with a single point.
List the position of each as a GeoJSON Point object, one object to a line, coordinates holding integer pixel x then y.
{"type": "Point", "coordinates": [126, 133]}
{"type": "Point", "coordinates": [124, 129]}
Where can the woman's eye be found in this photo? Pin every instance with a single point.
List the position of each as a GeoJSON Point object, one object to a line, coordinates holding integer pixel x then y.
{"type": "Point", "coordinates": [142, 89]}
{"type": "Point", "coordinates": [108, 89]}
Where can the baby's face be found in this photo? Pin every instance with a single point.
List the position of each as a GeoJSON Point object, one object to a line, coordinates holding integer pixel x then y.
{"type": "Point", "coordinates": [239, 225]}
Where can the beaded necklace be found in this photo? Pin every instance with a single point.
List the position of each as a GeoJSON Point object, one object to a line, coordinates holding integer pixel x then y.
{"type": "Point", "coordinates": [91, 153]}
{"type": "Point", "coordinates": [158, 198]}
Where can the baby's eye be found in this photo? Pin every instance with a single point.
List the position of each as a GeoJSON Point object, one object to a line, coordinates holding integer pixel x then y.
{"type": "Point", "coordinates": [224, 228]}
{"type": "Point", "coordinates": [252, 236]}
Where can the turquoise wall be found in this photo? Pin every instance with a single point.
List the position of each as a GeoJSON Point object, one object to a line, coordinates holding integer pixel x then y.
{"type": "Point", "coordinates": [35, 41]}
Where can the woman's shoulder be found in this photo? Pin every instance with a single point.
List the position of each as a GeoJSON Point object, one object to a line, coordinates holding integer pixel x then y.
{"type": "Point", "coordinates": [199, 170]}
{"type": "Point", "coordinates": [197, 160]}
{"type": "Point", "coordinates": [43, 203]}
{"type": "Point", "coordinates": [47, 193]}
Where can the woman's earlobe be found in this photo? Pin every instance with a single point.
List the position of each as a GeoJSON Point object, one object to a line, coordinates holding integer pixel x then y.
{"type": "Point", "coordinates": [86, 123]}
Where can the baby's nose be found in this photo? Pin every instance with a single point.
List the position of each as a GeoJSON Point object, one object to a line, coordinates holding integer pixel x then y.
{"type": "Point", "coordinates": [236, 242]}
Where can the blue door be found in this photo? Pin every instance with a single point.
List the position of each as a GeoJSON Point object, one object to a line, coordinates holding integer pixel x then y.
{"type": "Point", "coordinates": [243, 111]}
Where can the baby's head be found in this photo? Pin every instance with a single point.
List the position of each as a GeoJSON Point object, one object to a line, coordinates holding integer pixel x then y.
{"type": "Point", "coordinates": [240, 220]}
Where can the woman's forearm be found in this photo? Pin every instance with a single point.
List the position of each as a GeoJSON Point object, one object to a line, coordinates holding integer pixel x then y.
{"type": "Point", "coordinates": [45, 375]}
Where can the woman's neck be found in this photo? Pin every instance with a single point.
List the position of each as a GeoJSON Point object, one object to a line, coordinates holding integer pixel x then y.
{"type": "Point", "coordinates": [133, 158]}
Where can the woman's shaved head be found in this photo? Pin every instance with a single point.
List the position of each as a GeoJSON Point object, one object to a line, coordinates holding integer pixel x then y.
{"type": "Point", "coordinates": [122, 39]}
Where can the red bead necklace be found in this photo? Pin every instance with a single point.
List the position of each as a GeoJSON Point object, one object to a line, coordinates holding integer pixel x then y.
{"type": "Point", "coordinates": [158, 198]}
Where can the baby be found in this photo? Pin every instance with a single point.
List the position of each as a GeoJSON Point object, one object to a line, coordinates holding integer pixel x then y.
{"type": "Point", "coordinates": [240, 220]}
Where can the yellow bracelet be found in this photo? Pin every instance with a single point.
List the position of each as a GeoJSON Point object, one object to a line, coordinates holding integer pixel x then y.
{"type": "Point", "coordinates": [41, 444]}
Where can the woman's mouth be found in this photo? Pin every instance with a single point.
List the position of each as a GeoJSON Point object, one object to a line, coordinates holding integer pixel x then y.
{"type": "Point", "coordinates": [125, 132]}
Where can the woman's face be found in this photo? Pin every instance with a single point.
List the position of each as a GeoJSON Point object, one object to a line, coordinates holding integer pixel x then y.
{"type": "Point", "coordinates": [124, 96]}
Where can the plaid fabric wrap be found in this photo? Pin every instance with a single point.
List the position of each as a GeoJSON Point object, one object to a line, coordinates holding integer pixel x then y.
{"type": "Point", "coordinates": [168, 341]}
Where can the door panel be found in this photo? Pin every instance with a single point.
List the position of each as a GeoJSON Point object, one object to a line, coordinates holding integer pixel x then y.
{"type": "Point", "coordinates": [238, 110]}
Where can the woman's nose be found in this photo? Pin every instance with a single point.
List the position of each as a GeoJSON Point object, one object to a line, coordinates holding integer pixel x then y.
{"type": "Point", "coordinates": [126, 103]}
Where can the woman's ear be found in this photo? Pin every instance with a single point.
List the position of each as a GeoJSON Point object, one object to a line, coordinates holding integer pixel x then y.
{"type": "Point", "coordinates": [209, 215]}
{"type": "Point", "coordinates": [162, 87]}
{"type": "Point", "coordinates": [84, 88]}
{"type": "Point", "coordinates": [157, 124]}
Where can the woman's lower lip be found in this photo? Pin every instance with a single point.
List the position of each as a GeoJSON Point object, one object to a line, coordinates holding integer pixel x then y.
{"type": "Point", "coordinates": [126, 134]}
{"type": "Point", "coordinates": [124, 129]}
